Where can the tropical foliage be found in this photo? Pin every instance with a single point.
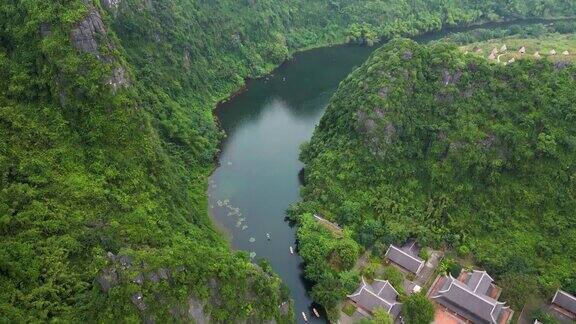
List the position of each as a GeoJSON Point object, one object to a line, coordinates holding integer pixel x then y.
{"type": "Point", "coordinates": [107, 139]}
{"type": "Point", "coordinates": [431, 143]}
{"type": "Point", "coordinates": [417, 309]}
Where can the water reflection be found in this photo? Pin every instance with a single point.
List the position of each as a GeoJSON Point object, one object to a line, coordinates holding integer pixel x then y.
{"type": "Point", "coordinates": [258, 175]}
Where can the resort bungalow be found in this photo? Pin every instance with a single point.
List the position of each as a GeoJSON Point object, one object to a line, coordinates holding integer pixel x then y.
{"type": "Point", "coordinates": [565, 304]}
{"type": "Point", "coordinates": [471, 298]}
{"type": "Point", "coordinates": [406, 257]}
{"type": "Point", "coordinates": [379, 294]}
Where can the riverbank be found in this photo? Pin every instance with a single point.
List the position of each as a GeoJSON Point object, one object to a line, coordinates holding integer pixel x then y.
{"type": "Point", "coordinates": [258, 161]}
{"type": "Point", "coordinates": [446, 29]}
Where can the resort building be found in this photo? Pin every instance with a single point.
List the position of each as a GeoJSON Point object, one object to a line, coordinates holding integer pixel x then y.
{"type": "Point", "coordinates": [471, 298]}
{"type": "Point", "coordinates": [379, 294]}
{"type": "Point", "coordinates": [406, 257]}
{"type": "Point", "coordinates": [565, 304]}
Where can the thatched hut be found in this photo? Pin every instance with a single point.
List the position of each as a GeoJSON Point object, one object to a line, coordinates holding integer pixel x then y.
{"type": "Point", "coordinates": [566, 53]}
{"type": "Point", "coordinates": [492, 56]}
{"type": "Point", "coordinates": [537, 55]}
{"type": "Point", "coordinates": [522, 50]}
{"type": "Point", "coordinates": [553, 52]}
{"type": "Point", "coordinates": [503, 48]}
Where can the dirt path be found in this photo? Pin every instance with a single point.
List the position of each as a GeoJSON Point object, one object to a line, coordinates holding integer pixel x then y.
{"type": "Point", "coordinates": [335, 229]}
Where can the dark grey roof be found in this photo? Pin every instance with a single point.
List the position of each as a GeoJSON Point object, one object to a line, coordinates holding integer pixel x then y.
{"type": "Point", "coordinates": [479, 282]}
{"type": "Point", "coordinates": [565, 300]}
{"type": "Point", "coordinates": [380, 294]}
{"type": "Point", "coordinates": [466, 300]}
{"type": "Point", "coordinates": [396, 308]}
{"type": "Point", "coordinates": [404, 259]}
{"type": "Point", "coordinates": [412, 247]}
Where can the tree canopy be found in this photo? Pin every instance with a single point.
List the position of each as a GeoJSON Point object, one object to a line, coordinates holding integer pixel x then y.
{"type": "Point", "coordinates": [417, 309]}
{"type": "Point", "coordinates": [426, 142]}
{"type": "Point", "coordinates": [107, 140]}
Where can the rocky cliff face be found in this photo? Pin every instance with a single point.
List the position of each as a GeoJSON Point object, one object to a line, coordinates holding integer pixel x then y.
{"type": "Point", "coordinates": [110, 4]}
{"type": "Point", "coordinates": [85, 35]}
{"type": "Point", "coordinates": [90, 36]}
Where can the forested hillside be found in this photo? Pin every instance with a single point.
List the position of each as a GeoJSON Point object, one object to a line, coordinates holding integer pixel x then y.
{"type": "Point", "coordinates": [107, 139]}
{"type": "Point", "coordinates": [475, 157]}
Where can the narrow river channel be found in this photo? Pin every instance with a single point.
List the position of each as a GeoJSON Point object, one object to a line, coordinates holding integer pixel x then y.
{"type": "Point", "coordinates": [257, 177]}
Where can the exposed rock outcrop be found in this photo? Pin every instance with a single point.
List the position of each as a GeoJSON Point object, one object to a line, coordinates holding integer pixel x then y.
{"type": "Point", "coordinates": [90, 36]}
{"type": "Point", "coordinates": [561, 65]}
{"type": "Point", "coordinates": [451, 78]}
{"type": "Point", "coordinates": [407, 55]}
{"type": "Point", "coordinates": [383, 92]}
{"type": "Point", "coordinates": [186, 60]}
{"type": "Point", "coordinates": [88, 32]}
{"type": "Point", "coordinates": [118, 78]}
{"type": "Point", "coordinates": [107, 279]}
{"type": "Point", "coordinates": [110, 4]}
{"type": "Point", "coordinates": [196, 312]}
{"type": "Point", "coordinates": [138, 301]}
{"type": "Point", "coordinates": [45, 30]}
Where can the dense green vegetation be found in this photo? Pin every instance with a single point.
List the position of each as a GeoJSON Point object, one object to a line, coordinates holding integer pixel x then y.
{"type": "Point", "coordinates": [418, 309]}
{"type": "Point", "coordinates": [108, 138]}
{"type": "Point", "coordinates": [329, 260]}
{"type": "Point", "coordinates": [533, 31]}
{"type": "Point", "coordinates": [431, 143]}
{"type": "Point", "coordinates": [86, 169]}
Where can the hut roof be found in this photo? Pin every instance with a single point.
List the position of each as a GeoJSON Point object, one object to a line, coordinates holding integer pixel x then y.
{"type": "Point", "coordinates": [379, 294]}
{"type": "Point", "coordinates": [522, 50]}
{"type": "Point", "coordinates": [537, 55]}
{"type": "Point", "coordinates": [503, 48]}
{"type": "Point", "coordinates": [405, 257]}
{"type": "Point", "coordinates": [470, 298]}
{"type": "Point", "coordinates": [565, 300]}
{"type": "Point", "coordinates": [566, 52]}
{"type": "Point", "coordinates": [492, 56]}
{"type": "Point", "coordinates": [553, 52]}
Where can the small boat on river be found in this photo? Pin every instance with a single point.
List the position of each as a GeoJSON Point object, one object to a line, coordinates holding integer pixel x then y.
{"type": "Point", "coordinates": [316, 312]}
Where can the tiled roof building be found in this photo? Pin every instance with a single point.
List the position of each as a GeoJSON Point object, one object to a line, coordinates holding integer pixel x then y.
{"type": "Point", "coordinates": [566, 303]}
{"type": "Point", "coordinates": [472, 296]}
{"type": "Point", "coordinates": [379, 294]}
{"type": "Point", "coordinates": [406, 257]}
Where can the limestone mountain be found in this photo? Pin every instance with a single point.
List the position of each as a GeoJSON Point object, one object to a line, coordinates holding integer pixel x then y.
{"type": "Point", "coordinates": [427, 142]}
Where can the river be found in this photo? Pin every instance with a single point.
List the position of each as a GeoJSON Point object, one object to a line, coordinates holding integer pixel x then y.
{"type": "Point", "coordinates": [257, 176]}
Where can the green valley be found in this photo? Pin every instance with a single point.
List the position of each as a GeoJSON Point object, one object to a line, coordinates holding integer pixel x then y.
{"type": "Point", "coordinates": [108, 138]}
{"type": "Point", "coordinates": [466, 156]}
